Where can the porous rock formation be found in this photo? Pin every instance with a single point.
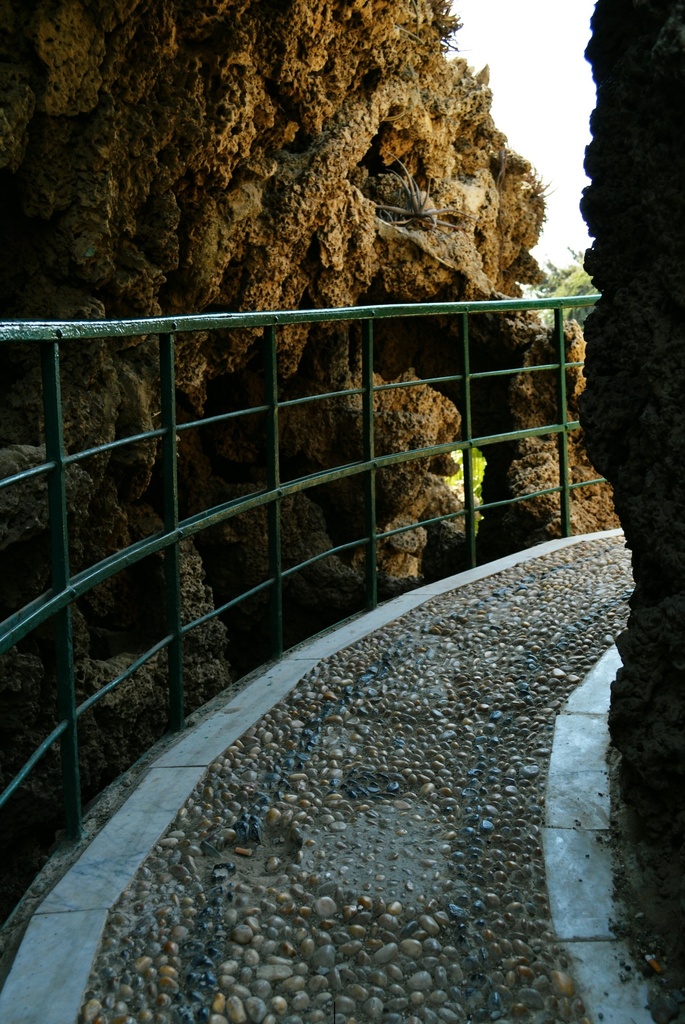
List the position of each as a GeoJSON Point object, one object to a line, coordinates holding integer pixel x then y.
{"type": "Point", "coordinates": [633, 408]}
{"type": "Point", "coordinates": [171, 156]}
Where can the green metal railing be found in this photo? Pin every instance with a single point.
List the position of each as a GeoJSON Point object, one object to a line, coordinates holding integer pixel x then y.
{"type": "Point", "coordinates": [66, 587]}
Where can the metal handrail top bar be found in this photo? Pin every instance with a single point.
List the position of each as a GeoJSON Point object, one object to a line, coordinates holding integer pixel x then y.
{"type": "Point", "coordinates": [64, 330]}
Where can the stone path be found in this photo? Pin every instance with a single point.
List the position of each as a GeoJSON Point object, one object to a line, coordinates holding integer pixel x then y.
{"type": "Point", "coordinates": [370, 846]}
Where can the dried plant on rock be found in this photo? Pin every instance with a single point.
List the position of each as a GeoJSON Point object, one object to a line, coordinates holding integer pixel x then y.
{"type": "Point", "coordinates": [418, 209]}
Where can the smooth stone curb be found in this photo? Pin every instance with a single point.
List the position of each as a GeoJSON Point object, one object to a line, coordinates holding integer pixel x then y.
{"type": "Point", "coordinates": [97, 880]}
{"type": "Point", "coordinates": [52, 965]}
{"type": "Point", "coordinates": [578, 779]}
{"type": "Point", "coordinates": [597, 966]}
{"type": "Point", "coordinates": [578, 857]}
{"type": "Point", "coordinates": [50, 972]}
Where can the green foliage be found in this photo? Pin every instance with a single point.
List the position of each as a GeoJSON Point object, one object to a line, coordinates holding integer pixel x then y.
{"type": "Point", "coordinates": [572, 279]}
{"type": "Point", "coordinates": [456, 482]}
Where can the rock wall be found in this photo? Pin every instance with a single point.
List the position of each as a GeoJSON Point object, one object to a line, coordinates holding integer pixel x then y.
{"type": "Point", "coordinates": [169, 156]}
{"type": "Point", "coordinates": [633, 406]}
{"type": "Point", "coordinates": [532, 464]}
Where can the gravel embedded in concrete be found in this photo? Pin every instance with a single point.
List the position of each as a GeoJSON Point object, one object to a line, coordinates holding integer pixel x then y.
{"type": "Point", "coordinates": [373, 844]}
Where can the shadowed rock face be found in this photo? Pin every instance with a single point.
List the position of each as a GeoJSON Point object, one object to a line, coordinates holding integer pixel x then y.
{"type": "Point", "coordinates": [633, 407]}
{"type": "Point", "coordinates": [168, 156]}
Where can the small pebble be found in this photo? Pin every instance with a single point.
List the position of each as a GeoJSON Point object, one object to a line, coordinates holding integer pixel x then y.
{"type": "Point", "coordinates": [664, 1008]}
{"type": "Point", "coordinates": [421, 981]}
{"type": "Point", "coordinates": [90, 1010]}
{"type": "Point", "coordinates": [386, 953]}
{"type": "Point", "coordinates": [562, 983]}
{"type": "Point", "coordinates": [235, 1010]}
{"type": "Point", "coordinates": [242, 934]}
{"type": "Point", "coordinates": [325, 906]}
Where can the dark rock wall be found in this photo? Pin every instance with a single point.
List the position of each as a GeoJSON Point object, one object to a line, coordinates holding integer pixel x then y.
{"type": "Point", "coordinates": [634, 407]}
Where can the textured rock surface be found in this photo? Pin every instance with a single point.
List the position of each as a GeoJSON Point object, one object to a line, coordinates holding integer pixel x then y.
{"type": "Point", "coordinates": [633, 408]}
{"type": "Point", "coordinates": [535, 464]}
{"type": "Point", "coordinates": [531, 465]}
{"type": "Point", "coordinates": [172, 156]}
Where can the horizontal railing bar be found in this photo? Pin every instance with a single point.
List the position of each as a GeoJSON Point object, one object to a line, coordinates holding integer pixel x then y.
{"type": "Point", "coordinates": [219, 513]}
{"type": "Point", "coordinates": [522, 369]}
{"type": "Point", "coordinates": [452, 378]}
{"type": "Point", "coordinates": [415, 526]}
{"type": "Point", "coordinates": [208, 616]}
{"type": "Point", "coordinates": [360, 542]}
{"type": "Point", "coordinates": [133, 667]}
{"type": "Point", "coordinates": [19, 625]}
{"type": "Point", "coordinates": [35, 757]}
{"type": "Point", "coordinates": [539, 494]}
{"type": "Point", "coordinates": [389, 533]}
{"type": "Point", "coordinates": [317, 398]}
{"type": "Point", "coordinates": [520, 497]}
{"type": "Point", "coordinates": [514, 370]}
{"type": "Point", "coordinates": [221, 418]}
{"type": "Point", "coordinates": [459, 514]}
{"type": "Point", "coordinates": [455, 378]}
{"type": "Point", "coordinates": [111, 445]}
{"type": "Point", "coordinates": [41, 330]}
{"type": "Point", "coordinates": [520, 435]}
{"type": "Point", "coordinates": [151, 434]}
{"type": "Point", "coordinates": [482, 508]}
{"type": "Point", "coordinates": [382, 461]}
{"type": "Point", "coordinates": [587, 483]}
{"type": "Point", "coordinates": [393, 385]}
{"type": "Point", "coordinates": [15, 627]}
{"type": "Point", "coordinates": [348, 546]}
{"type": "Point", "coordinates": [27, 474]}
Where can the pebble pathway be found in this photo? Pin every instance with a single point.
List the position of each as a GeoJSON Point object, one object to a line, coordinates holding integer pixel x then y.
{"type": "Point", "coordinates": [371, 849]}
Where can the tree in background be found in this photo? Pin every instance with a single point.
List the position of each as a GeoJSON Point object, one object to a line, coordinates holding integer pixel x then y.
{"type": "Point", "coordinates": [572, 279]}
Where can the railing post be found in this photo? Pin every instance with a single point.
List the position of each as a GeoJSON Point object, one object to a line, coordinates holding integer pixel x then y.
{"type": "Point", "coordinates": [273, 481]}
{"type": "Point", "coordinates": [370, 475]}
{"type": "Point", "coordinates": [172, 568]}
{"type": "Point", "coordinates": [60, 576]}
{"type": "Point", "coordinates": [562, 412]}
{"type": "Point", "coordinates": [467, 434]}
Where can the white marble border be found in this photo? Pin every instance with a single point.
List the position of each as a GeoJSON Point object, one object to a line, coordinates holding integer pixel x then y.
{"type": "Point", "coordinates": [50, 972]}
{"type": "Point", "coordinates": [577, 855]}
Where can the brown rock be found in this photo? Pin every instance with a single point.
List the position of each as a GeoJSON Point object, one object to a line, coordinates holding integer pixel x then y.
{"type": "Point", "coordinates": [242, 934]}
{"type": "Point", "coordinates": [562, 984]}
{"type": "Point", "coordinates": [664, 1008]}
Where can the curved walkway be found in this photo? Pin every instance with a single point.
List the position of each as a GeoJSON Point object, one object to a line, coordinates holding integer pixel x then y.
{"type": "Point", "coordinates": [361, 829]}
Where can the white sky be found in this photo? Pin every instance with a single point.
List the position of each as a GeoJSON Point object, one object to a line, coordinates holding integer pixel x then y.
{"type": "Point", "coordinates": [543, 95]}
